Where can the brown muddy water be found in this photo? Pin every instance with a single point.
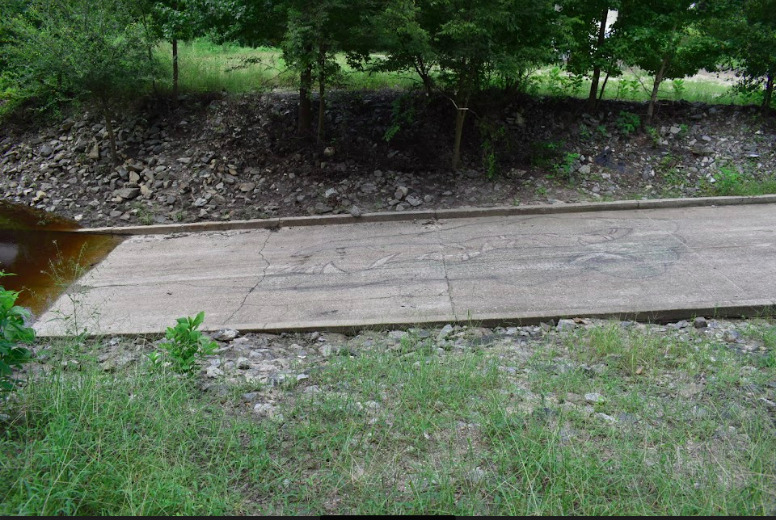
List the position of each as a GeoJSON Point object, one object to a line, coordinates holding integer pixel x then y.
{"type": "Point", "coordinates": [44, 254]}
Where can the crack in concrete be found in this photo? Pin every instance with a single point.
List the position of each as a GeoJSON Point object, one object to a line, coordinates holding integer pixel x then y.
{"type": "Point", "coordinates": [256, 285]}
{"type": "Point", "coordinates": [447, 278]}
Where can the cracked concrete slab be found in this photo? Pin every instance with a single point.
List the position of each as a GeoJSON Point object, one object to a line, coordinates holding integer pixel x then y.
{"type": "Point", "coordinates": [502, 268]}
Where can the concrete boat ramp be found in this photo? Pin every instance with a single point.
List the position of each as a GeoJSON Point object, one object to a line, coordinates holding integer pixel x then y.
{"type": "Point", "coordinates": [483, 266]}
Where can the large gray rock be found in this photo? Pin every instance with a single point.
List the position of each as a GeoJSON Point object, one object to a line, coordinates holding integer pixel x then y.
{"type": "Point", "coordinates": [127, 193]}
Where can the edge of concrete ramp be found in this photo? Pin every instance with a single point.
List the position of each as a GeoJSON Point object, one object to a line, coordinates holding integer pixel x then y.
{"type": "Point", "coordinates": [464, 212]}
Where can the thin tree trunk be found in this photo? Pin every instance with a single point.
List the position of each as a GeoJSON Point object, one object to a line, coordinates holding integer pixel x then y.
{"type": "Point", "coordinates": [603, 87]}
{"type": "Point", "coordinates": [420, 68]}
{"type": "Point", "coordinates": [175, 72]}
{"type": "Point", "coordinates": [592, 98]}
{"type": "Point", "coordinates": [111, 136]}
{"type": "Point", "coordinates": [655, 87]}
{"type": "Point", "coordinates": [305, 104]}
{"type": "Point", "coordinates": [321, 93]}
{"type": "Point", "coordinates": [768, 96]}
{"type": "Point", "coordinates": [459, 119]}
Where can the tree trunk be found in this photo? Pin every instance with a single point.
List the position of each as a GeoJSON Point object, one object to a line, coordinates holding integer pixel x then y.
{"type": "Point", "coordinates": [175, 72]}
{"type": "Point", "coordinates": [305, 104]}
{"type": "Point", "coordinates": [592, 99]}
{"type": "Point", "coordinates": [655, 87]}
{"type": "Point", "coordinates": [768, 96]}
{"type": "Point", "coordinates": [603, 87]}
{"type": "Point", "coordinates": [459, 119]}
{"type": "Point", "coordinates": [111, 136]}
{"type": "Point", "coordinates": [321, 93]}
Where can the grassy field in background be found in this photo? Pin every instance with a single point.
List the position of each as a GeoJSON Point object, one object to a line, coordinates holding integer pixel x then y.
{"type": "Point", "coordinates": [603, 420]}
{"type": "Point", "coordinates": [207, 67]}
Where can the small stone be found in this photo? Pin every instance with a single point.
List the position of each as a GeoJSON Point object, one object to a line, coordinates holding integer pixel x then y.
{"type": "Point", "coordinates": [328, 350]}
{"type": "Point", "coordinates": [245, 187]}
{"type": "Point", "coordinates": [414, 201]}
{"type": "Point", "coordinates": [607, 418]}
{"type": "Point", "coordinates": [264, 410]}
{"type": "Point", "coordinates": [243, 363]}
{"type": "Point", "coordinates": [355, 211]}
{"type": "Point", "coordinates": [445, 332]}
{"type": "Point", "coordinates": [321, 208]}
{"type": "Point", "coordinates": [213, 372]}
{"type": "Point", "coordinates": [401, 192]}
{"type": "Point", "coordinates": [199, 203]}
{"type": "Point", "coordinates": [700, 323]}
{"type": "Point", "coordinates": [329, 151]}
{"type": "Point", "coordinates": [594, 398]}
{"type": "Point", "coordinates": [565, 325]}
{"type": "Point", "coordinates": [331, 192]}
{"type": "Point", "coordinates": [584, 169]}
{"type": "Point", "coordinates": [731, 336]}
{"type": "Point", "coordinates": [225, 335]}
{"type": "Point", "coordinates": [46, 150]}
{"type": "Point", "coordinates": [475, 476]}
{"type": "Point", "coordinates": [250, 396]}
{"type": "Point", "coordinates": [184, 160]}
{"type": "Point", "coordinates": [94, 153]}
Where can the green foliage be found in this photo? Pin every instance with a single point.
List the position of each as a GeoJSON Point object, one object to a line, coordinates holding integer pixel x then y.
{"type": "Point", "coordinates": [545, 154]}
{"type": "Point", "coordinates": [74, 48]}
{"type": "Point", "coordinates": [628, 88]}
{"type": "Point", "coordinates": [679, 88]}
{"type": "Point", "coordinates": [566, 167]}
{"type": "Point", "coordinates": [13, 332]}
{"type": "Point", "coordinates": [494, 138]}
{"type": "Point", "coordinates": [628, 122]}
{"type": "Point", "coordinates": [402, 116]}
{"type": "Point", "coordinates": [729, 181]}
{"type": "Point", "coordinates": [750, 38]}
{"type": "Point", "coordinates": [185, 345]}
{"type": "Point", "coordinates": [559, 84]}
{"type": "Point", "coordinates": [94, 443]}
{"type": "Point", "coordinates": [654, 135]}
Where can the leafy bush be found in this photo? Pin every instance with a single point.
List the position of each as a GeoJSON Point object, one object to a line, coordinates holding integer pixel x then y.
{"type": "Point", "coordinates": [185, 344]}
{"type": "Point", "coordinates": [728, 181]}
{"type": "Point", "coordinates": [628, 122]}
{"type": "Point", "coordinates": [13, 332]}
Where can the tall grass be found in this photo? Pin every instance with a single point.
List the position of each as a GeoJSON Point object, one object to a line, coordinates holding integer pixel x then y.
{"type": "Point", "coordinates": [88, 442]}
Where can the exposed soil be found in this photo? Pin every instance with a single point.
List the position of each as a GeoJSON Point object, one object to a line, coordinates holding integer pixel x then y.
{"type": "Point", "coordinates": [238, 157]}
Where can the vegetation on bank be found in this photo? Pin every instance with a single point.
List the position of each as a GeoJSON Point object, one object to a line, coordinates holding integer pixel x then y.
{"type": "Point", "coordinates": [610, 418]}
{"type": "Point", "coordinates": [52, 53]}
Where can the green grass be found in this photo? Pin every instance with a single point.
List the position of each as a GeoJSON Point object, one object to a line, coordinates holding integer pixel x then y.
{"type": "Point", "coordinates": [731, 182]}
{"type": "Point", "coordinates": [87, 442]}
{"type": "Point", "coordinates": [207, 67]}
{"type": "Point", "coordinates": [473, 425]}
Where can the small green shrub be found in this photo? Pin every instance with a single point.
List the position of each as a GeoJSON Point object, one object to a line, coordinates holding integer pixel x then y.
{"type": "Point", "coordinates": [494, 138]}
{"type": "Point", "coordinates": [628, 123]}
{"type": "Point", "coordinates": [185, 345]}
{"type": "Point", "coordinates": [545, 154]}
{"type": "Point", "coordinates": [402, 116]}
{"type": "Point", "coordinates": [13, 332]}
{"type": "Point", "coordinates": [728, 181]}
{"type": "Point", "coordinates": [679, 88]}
{"type": "Point", "coordinates": [566, 168]}
{"type": "Point", "coordinates": [654, 135]}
